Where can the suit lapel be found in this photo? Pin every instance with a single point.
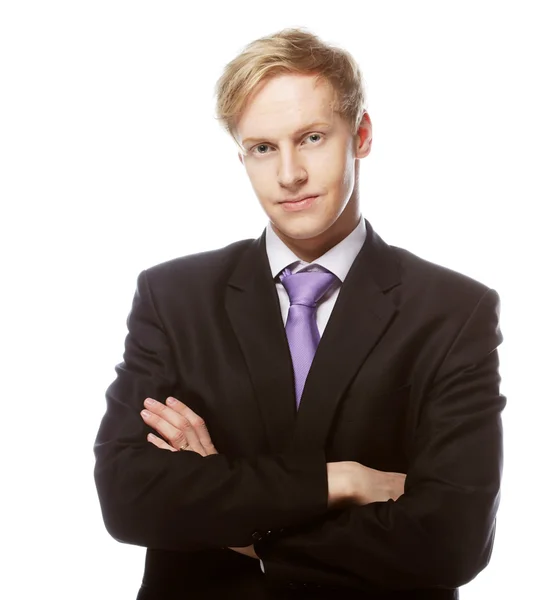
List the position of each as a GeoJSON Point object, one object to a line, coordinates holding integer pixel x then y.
{"type": "Point", "coordinates": [253, 307]}
{"type": "Point", "coordinates": [361, 315]}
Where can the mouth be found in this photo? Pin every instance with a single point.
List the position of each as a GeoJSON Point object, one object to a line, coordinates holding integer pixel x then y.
{"type": "Point", "coordinates": [300, 204]}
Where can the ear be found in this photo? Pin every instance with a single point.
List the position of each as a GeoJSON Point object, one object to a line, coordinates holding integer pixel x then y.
{"type": "Point", "coordinates": [363, 136]}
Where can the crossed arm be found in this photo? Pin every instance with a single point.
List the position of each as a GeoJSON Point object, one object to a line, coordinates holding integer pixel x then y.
{"type": "Point", "coordinates": [438, 533]}
{"type": "Point", "coordinates": [348, 481]}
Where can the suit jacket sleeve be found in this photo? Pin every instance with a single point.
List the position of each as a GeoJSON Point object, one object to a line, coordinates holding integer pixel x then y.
{"type": "Point", "coordinates": [181, 500]}
{"type": "Point", "coordinates": [440, 532]}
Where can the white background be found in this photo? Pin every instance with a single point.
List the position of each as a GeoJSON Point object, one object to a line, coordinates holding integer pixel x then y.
{"type": "Point", "coordinates": [112, 161]}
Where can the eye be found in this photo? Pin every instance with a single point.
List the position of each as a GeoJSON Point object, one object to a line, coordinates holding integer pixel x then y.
{"type": "Point", "coordinates": [314, 134]}
{"type": "Point", "coordinates": [253, 150]}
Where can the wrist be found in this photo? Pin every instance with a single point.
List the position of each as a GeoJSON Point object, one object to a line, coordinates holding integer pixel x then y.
{"type": "Point", "coordinates": [246, 551]}
{"type": "Point", "coordinates": [342, 482]}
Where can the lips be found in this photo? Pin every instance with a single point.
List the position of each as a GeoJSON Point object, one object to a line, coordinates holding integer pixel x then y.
{"type": "Point", "coordinates": [299, 205]}
{"type": "Point", "coordinates": [299, 198]}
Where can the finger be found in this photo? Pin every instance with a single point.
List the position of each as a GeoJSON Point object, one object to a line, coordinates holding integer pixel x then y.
{"type": "Point", "coordinates": [173, 427]}
{"type": "Point", "coordinates": [176, 437]}
{"type": "Point", "coordinates": [160, 443]}
{"type": "Point", "coordinates": [196, 421]}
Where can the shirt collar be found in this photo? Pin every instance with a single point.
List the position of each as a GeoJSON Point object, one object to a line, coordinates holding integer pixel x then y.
{"type": "Point", "coordinates": [338, 259]}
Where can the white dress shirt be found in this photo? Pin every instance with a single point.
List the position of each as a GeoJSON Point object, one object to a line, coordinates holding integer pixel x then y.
{"type": "Point", "coordinates": [338, 260]}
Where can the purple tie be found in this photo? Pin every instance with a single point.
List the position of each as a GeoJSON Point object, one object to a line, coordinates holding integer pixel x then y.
{"type": "Point", "coordinates": [304, 289]}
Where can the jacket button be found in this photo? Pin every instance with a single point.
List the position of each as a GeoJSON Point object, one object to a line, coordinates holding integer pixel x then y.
{"type": "Point", "coordinates": [257, 536]}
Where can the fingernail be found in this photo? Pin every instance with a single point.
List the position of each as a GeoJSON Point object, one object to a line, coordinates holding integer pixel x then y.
{"type": "Point", "coordinates": [149, 401]}
{"type": "Point", "coordinates": [171, 400]}
{"type": "Point", "coordinates": [145, 413]}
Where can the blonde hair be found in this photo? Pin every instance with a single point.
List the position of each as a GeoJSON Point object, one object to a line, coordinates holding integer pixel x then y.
{"type": "Point", "coordinates": [292, 50]}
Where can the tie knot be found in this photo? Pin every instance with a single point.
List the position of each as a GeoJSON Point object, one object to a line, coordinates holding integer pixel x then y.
{"type": "Point", "coordinates": [307, 287]}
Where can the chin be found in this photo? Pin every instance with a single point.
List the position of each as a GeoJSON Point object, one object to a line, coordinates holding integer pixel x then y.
{"type": "Point", "coordinates": [300, 231]}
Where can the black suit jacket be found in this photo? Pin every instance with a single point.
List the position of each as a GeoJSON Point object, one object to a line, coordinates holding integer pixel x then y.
{"type": "Point", "coordinates": [405, 379]}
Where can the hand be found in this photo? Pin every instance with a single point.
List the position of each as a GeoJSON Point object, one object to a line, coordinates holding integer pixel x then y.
{"type": "Point", "coordinates": [179, 425]}
{"type": "Point", "coordinates": [341, 483]}
{"type": "Point", "coordinates": [351, 482]}
{"type": "Point", "coordinates": [246, 550]}
{"type": "Point", "coordinates": [371, 485]}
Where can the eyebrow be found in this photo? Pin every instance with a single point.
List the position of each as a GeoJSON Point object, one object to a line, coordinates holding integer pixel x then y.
{"type": "Point", "coordinates": [299, 131]}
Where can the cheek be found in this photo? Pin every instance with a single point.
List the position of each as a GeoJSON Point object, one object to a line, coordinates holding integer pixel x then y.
{"type": "Point", "coordinates": [336, 171]}
{"type": "Point", "coordinates": [348, 178]}
{"type": "Point", "coordinates": [260, 172]}
{"type": "Point", "coordinates": [260, 178]}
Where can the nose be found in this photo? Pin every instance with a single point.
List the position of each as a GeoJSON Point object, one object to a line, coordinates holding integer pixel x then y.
{"type": "Point", "coordinates": [291, 170]}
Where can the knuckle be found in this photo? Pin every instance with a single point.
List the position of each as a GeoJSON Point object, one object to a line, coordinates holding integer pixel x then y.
{"type": "Point", "coordinates": [199, 423]}
{"type": "Point", "coordinates": [177, 438]}
{"type": "Point", "coordinates": [185, 425]}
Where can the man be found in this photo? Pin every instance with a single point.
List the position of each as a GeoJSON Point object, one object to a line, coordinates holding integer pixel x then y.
{"type": "Point", "coordinates": [313, 413]}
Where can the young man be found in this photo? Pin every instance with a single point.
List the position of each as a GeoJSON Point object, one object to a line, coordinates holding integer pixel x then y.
{"type": "Point", "coordinates": [313, 413]}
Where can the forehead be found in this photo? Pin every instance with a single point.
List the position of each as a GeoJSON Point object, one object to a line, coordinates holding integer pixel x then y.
{"type": "Point", "coordinates": [284, 103]}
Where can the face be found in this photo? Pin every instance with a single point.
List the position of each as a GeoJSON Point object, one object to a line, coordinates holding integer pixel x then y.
{"type": "Point", "coordinates": [296, 146]}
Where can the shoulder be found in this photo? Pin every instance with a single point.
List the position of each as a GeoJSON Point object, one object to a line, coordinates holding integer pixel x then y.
{"type": "Point", "coordinates": [433, 284]}
{"type": "Point", "coordinates": [208, 267]}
